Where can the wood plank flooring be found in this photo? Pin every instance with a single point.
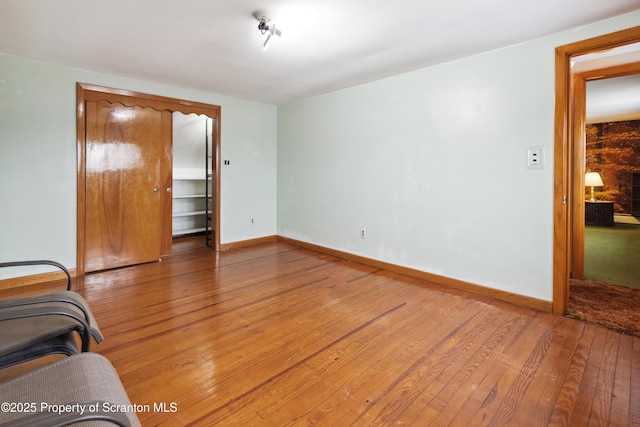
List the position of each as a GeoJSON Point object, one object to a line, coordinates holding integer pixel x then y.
{"type": "Point", "coordinates": [276, 335]}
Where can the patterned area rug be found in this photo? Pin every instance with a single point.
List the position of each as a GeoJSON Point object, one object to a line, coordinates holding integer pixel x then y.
{"type": "Point", "coordinates": [612, 306]}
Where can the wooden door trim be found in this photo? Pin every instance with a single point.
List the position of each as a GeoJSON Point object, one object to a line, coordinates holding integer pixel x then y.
{"type": "Point", "coordinates": [576, 225]}
{"type": "Point", "coordinates": [88, 92]}
{"type": "Point", "coordinates": [81, 178]}
{"type": "Point", "coordinates": [131, 98]}
{"type": "Point", "coordinates": [565, 168]}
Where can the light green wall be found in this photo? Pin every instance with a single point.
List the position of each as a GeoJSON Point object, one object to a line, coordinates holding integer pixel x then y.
{"type": "Point", "coordinates": [38, 160]}
{"type": "Point", "coordinates": [432, 165]}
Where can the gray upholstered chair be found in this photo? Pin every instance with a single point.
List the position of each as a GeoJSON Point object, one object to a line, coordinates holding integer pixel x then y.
{"type": "Point", "coordinates": [86, 386]}
{"type": "Point", "coordinates": [37, 326]}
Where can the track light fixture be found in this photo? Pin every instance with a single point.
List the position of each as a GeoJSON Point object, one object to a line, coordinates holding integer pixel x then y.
{"type": "Point", "coordinates": [267, 27]}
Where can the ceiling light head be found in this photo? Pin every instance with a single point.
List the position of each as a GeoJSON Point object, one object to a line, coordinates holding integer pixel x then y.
{"type": "Point", "coordinates": [266, 27]}
{"type": "Point", "coordinates": [264, 24]}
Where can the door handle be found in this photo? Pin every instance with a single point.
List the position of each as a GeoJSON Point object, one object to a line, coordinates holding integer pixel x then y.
{"type": "Point", "coordinates": [156, 189]}
{"type": "Point", "coordinates": [168, 189]}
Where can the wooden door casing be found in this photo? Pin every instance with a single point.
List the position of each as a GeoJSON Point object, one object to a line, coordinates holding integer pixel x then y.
{"type": "Point", "coordinates": [127, 174]}
{"type": "Point", "coordinates": [86, 93]}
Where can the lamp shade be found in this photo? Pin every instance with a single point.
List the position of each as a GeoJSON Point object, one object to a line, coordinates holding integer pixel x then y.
{"type": "Point", "coordinates": [593, 179]}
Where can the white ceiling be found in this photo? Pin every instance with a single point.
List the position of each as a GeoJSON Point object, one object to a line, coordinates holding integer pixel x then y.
{"type": "Point", "coordinates": [215, 46]}
{"type": "Point", "coordinates": [612, 100]}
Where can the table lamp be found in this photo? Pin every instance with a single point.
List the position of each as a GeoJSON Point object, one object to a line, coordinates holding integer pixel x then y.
{"type": "Point", "coordinates": [593, 179]}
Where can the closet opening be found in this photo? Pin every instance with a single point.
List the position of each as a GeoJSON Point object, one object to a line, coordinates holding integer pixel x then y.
{"type": "Point", "coordinates": [193, 193]}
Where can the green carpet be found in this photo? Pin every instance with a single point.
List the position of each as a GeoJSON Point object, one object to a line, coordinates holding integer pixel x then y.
{"type": "Point", "coordinates": [612, 254]}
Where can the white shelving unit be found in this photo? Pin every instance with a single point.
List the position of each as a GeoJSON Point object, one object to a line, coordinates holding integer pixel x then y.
{"type": "Point", "coordinates": [193, 178]}
{"type": "Point", "coordinates": [189, 201]}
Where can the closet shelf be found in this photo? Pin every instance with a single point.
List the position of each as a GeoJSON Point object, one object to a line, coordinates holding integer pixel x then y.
{"type": "Point", "coordinates": [186, 231]}
{"type": "Point", "coordinates": [189, 196]}
{"type": "Point", "coordinates": [190, 213]}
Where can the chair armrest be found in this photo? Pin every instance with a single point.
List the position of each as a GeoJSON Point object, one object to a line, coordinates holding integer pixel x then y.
{"type": "Point", "coordinates": [26, 311]}
{"type": "Point", "coordinates": [69, 297]}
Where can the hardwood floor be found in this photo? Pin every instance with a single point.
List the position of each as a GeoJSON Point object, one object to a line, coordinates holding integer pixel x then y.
{"type": "Point", "coordinates": [275, 335]}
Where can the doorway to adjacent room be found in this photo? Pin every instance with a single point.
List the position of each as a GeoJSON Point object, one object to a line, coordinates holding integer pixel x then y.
{"type": "Point", "coordinates": [569, 149]}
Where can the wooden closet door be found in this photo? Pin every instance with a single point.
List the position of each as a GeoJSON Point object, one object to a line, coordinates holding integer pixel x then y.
{"type": "Point", "coordinates": [128, 171]}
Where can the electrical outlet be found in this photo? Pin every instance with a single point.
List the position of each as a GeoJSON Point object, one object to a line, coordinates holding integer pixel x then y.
{"type": "Point", "coordinates": [535, 157]}
{"type": "Point", "coordinates": [362, 234]}
{"type": "Point", "coordinates": [252, 221]}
